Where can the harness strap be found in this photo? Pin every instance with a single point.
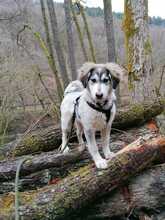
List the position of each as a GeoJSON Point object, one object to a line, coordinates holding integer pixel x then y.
{"type": "Point", "coordinates": [73, 120]}
{"type": "Point", "coordinates": [107, 112]}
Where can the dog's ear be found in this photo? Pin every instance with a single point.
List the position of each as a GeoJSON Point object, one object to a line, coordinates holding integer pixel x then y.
{"type": "Point", "coordinates": [84, 72]}
{"type": "Point", "coordinates": [117, 73]}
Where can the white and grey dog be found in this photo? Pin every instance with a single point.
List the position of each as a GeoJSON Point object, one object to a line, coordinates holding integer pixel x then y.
{"type": "Point", "coordinates": [91, 100]}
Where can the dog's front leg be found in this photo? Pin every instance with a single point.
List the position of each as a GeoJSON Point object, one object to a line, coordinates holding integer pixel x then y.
{"type": "Point", "coordinates": [93, 150]}
{"type": "Point", "coordinates": [105, 136]}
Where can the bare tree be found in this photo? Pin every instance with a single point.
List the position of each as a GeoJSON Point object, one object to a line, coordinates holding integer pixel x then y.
{"type": "Point", "coordinates": [56, 40]}
{"type": "Point", "coordinates": [80, 35]}
{"type": "Point", "coordinates": [50, 48]}
{"type": "Point", "coordinates": [108, 19]}
{"type": "Point", "coordinates": [139, 50]}
{"type": "Point", "coordinates": [68, 21]}
{"type": "Point", "coordinates": [86, 26]}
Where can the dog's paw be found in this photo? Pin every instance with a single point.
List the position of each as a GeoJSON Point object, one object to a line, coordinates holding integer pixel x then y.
{"type": "Point", "coordinates": [65, 150]}
{"type": "Point", "coordinates": [101, 164]}
{"type": "Point", "coordinates": [110, 155]}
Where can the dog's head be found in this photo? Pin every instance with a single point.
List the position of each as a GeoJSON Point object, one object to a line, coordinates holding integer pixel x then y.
{"type": "Point", "coordinates": [100, 79]}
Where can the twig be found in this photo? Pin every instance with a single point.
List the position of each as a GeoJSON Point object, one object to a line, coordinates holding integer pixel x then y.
{"type": "Point", "coordinates": [17, 187]}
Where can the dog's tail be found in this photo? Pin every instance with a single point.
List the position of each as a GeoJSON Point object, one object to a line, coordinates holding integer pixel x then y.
{"type": "Point", "coordinates": [74, 86]}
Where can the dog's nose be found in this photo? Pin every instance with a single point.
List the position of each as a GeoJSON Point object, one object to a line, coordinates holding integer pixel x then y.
{"type": "Point", "coordinates": [99, 95]}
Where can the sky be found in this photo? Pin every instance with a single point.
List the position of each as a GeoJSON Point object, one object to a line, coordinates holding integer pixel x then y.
{"type": "Point", "coordinates": [156, 7]}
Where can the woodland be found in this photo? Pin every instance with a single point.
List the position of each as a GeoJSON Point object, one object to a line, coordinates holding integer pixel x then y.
{"type": "Point", "coordinates": [43, 44]}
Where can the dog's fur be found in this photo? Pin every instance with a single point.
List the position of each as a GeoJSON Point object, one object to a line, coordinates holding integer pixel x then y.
{"type": "Point", "coordinates": [96, 84]}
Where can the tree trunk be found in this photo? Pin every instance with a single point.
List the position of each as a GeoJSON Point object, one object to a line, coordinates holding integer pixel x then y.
{"type": "Point", "coordinates": [91, 47]}
{"type": "Point", "coordinates": [84, 186]}
{"type": "Point", "coordinates": [50, 138]}
{"type": "Point", "coordinates": [57, 44]}
{"type": "Point", "coordinates": [52, 59]}
{"type": "Point", "coordinates": [70, 40]}
{"type": "Point", "coordinates": [80, 36]}
{"type": "Point", "coordinates": [108, 20]}
{"type": "Point", "coordinates": [139, 50]}
{"type": "Point", "coordinates": [144, 192]}
{"type": "Point", "coordinates": [66, 163]}
{"type": "Point", "coordinates": [39, 162]}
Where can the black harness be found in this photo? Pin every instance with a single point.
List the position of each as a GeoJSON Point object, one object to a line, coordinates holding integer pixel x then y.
{"type": "Point", "coordinates": [107, 112]}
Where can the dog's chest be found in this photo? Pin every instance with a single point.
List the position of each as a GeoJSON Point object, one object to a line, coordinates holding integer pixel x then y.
{"type": "Point", "coordinates": [92, 119]}
{"type": "Point", "coordinates": [98, 121]}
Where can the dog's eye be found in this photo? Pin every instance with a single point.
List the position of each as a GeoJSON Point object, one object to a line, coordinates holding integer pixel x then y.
{"type": "Point", "coordinates": [93, 80]}
{"type": "Point", "coordinates": [105, 80]}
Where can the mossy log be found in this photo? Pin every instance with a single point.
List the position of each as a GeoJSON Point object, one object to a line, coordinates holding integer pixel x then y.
{"type": "Point", "coordinates": [65, 162]}
{"type": "Point", "coordinates": [50, 138]}
{"type": "Point", "coordinates": [39, 162]}
{"type": "Point", "coordinates": [83, 187]}
{"type": "Point", "coordinates": [144, 192]}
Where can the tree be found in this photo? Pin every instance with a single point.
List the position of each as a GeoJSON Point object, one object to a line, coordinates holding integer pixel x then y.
{"type": "Point", "coordinates": [80, 35]}
{"type": "Point", "coordinates": [57, 44]}
{"type": "Point", "coordinates": [139, 50]}
{"type": "Point", "coordinates": [68, 21]}
{"type": "Point", "coordinates": [86, 26]}
{"type": "Point", "coordinates": [108, 19]}
{"type": "Point", "coordinates": [50, 48]}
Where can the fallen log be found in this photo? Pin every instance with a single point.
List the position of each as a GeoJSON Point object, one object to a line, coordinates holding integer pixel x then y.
{"type": "Point", "coordinates": [38, 162]}
{"type": "Point", "coordinates": [30, 182]}
{"type": "Point", "coordinates": [84, 186]}
{"type": "Point", "coordinates": [144, 192]}
{"type": "Point", "coordinates": [50, 138]}
{"type": "Point", "coordinates": [56, 160]}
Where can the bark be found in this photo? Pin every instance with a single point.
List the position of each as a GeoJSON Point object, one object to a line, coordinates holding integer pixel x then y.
{"type": "Point", "coordinates": [50, 138]}
{"type": "Point", "coordinates": [57, 43]}
{"type": "Point", "coordinates": [139, 50]}
{"type": "Point", "coordinates": [86, 26]}
{"type": "Point", "coordinates": [70, 40]}
{"type": "Point", "coordinates": [30, 182]}
{"type": "Point", "coordinates": [38, 162]}
{"type": "Point", "coordinates": [108, 20]}
{"type": "Point", "coordinates": [80, 35]}
{"type": "Point", "coordinates": [50, 48]}
{"type": "Point", "coordinates": [84, 186]}
{"type": "Point", "coordinates": [145, 192]}
{"type": "Point", "coordinates": [65, 163]}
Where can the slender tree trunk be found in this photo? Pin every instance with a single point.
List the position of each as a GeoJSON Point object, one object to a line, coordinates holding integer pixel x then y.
{"type": "Point", "coordinates": [108, 19]}
{"type": "Point", "coordinates": [139, 50]}
{"type": "Point", "coordinates": [49, 44]}
{"type": "Point", "coordinates": [88, 33]}
{"type": "Point", "coordinates": [71, 51]}
{"type": "Point", "coordinates": [57, 44]}
{"type": "Point", "coordinates": [79, 34]}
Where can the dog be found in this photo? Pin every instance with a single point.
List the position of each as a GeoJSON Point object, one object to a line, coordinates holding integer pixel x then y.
{"type": "Point", "coordinates": [89, 103]}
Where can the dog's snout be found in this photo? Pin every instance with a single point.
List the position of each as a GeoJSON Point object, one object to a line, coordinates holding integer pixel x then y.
{"type": "Point", "coordinates": [99, 95]}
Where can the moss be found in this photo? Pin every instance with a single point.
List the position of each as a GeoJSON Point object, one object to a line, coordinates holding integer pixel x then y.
{"type": "Point", "coordinates": [147, 47]}
{"type": "Point", "coordinates": [29, 143]}
{"type": "Point", "coordinates": [129, 30]}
